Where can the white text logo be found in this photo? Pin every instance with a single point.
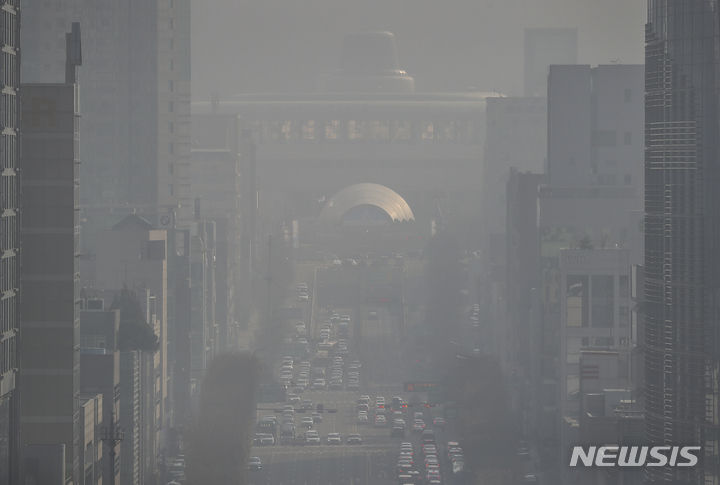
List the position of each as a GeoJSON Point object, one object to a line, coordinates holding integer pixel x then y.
{"type": "Point", "coordinates": [634, 456]}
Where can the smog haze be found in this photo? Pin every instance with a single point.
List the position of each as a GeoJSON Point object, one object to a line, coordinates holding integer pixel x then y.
{"type": "Point", "coordinates": [452, 45]}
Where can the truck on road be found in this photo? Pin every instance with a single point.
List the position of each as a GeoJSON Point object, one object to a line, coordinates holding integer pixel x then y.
{"type": "Point", "coordinates": [287, 433]}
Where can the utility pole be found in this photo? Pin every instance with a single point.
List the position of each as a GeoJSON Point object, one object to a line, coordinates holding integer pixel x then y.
{"type": "Point", "coordinates": [269, 277]}
{"type": "Point", "coordinates": [112, 436]}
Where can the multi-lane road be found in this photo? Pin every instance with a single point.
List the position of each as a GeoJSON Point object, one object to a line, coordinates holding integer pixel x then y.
{"type": "Point", "coordinates": [386, 362]}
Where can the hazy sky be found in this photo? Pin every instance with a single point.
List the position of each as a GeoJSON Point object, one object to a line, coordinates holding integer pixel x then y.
{"type": "Point", "coordinates": [243, 46]}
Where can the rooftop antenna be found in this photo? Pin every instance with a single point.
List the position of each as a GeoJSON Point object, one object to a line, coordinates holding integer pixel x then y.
{"type": "Point", "coordinates": [73, 53]}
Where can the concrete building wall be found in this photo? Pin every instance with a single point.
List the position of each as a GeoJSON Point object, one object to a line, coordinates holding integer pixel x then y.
{"type": "Point", "coordinates": [135, 254]}
{"type": "Point", "coordinates": [131, 417]}
{"type": "Point", "coordinates": [594, 309]}
{"type": "Point", "coordinates": [48, 349]}
{"type": "Point", "coordinates": [91, 446]}
{"type": "Point", "coordinates": [100, 373]}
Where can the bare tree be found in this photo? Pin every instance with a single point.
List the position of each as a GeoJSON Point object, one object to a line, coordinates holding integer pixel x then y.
{"type": "Point", "coordinates": [488, 433]}
{"type": "Point", "coordinates": [217, 443]}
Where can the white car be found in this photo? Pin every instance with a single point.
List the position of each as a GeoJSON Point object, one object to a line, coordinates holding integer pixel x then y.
{"type": "Point", "coordinates": [337, 262]}
{"type": "Point", "coordinates": [334, 439]}
{"type": "Point", "coordinates": [319, 384]}
{"type": "Point", "coordinates": [303, 297]}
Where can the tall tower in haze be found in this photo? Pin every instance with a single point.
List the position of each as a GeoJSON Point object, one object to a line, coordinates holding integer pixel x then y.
{"type": "Point", "coordinates": [135, 91]}
{"type": "Point", "coordinates": [682, 234]}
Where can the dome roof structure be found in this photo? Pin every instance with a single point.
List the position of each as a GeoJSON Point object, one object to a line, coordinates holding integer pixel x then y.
{"type": "Point", "coordinates": [366, 194]}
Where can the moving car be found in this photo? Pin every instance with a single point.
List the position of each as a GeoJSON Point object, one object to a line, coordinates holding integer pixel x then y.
{"type": "Point", "coordinates": [267, 440]}
{"type": "Point", "coordinates": [354, 439]}
{"type": "Point", "coordinates": [307, 421]}
{"type": "Point", "coordinates": [334, 439]}
{"type": "Point", "coordinates": [312, 438]}
{"type": "Point", "coordinates": [254, 463]}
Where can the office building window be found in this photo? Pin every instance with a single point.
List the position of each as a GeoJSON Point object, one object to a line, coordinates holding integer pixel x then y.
{"type": "Point", "coordinates": [573, 350]}
{"type": "Point", "coordinates": [355, 130]}
{"type": "Point", "coordinates": [403, 130]}
{"type": "Point", "coordinates": [623, 316]}
{"type": "Point", "coordinates": [623, 286]}
{"type": "Point", "coordinates": [332, 130]}
{"type": "Point", "coordinates": [602, 301]}
{"type": "Point", "coordinates": [308, 129]}
{"type": "Point", "coordinates": [576, 301]}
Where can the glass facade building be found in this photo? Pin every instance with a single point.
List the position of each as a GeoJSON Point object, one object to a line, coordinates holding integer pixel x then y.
{"type": "Point", "coordinates": [682, 205]}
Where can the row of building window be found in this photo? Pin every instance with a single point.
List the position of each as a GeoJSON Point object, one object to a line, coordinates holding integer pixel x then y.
{"type": "Point", "coordinates": [9, 314]}
{"type": "Point", "coordinates": [364, 130]}
{"type": "Point", "coordinates": [9, 277]}
{"type": "Point", "coordinates": [11, 70]}
{"type": "Point", "coordinates": [10, 29]}
{"type": "Point", "coordinates": [8, 355]}
{"type": "Point", "coordinates": [9, 229]}
{"type": "Point", "coordinates": [590, 301]}
{"type": "Point", "coordinates": [9, 110]}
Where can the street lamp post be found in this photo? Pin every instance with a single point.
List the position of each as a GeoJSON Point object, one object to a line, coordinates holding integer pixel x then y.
{"type": "Point", "coordinates": [112, 436]}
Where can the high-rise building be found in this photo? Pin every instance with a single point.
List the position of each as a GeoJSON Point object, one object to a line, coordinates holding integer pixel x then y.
{"type": "Point", "coordinates": [135, 106]}
{"type": "Point", "coordinates": [544, 47]}
{"type": "Point", "coordinates": [50, 326]}
{"type": "Point", "coordinates": [9, 234]}
{"type": "Point", "coordinates": [682, 214]}
{"type": "Point", "coordinates": [594, 177]}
